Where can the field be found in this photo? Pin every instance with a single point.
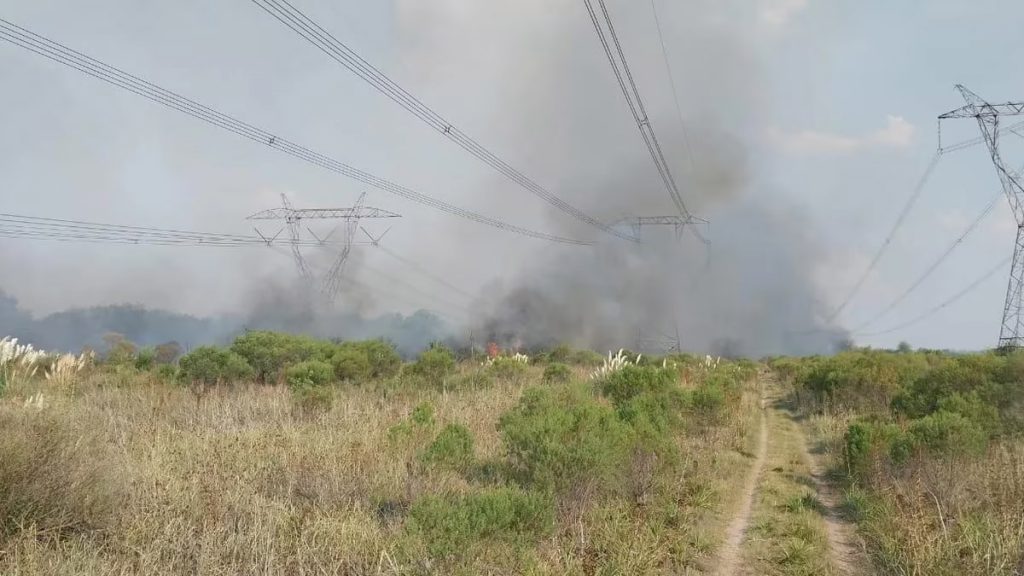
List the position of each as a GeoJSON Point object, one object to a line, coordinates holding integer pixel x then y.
{"type": "Point", "coordinates": [286, 455]}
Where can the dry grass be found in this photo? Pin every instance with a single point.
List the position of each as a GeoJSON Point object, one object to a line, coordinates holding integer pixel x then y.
{"type": "Point", "coordinates": [951, 516]}
{"type": "Point", "coordinates": [128, 475]}
{"type": "Point", "coordinates": [937, 515]}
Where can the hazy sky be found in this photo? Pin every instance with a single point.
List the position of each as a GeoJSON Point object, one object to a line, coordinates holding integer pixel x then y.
{"type": "Point", "coordinates": [834, 103]}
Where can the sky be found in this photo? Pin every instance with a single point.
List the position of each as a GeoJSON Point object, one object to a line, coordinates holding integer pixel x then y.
{"type": "Point", "coordinates": [833, 106]}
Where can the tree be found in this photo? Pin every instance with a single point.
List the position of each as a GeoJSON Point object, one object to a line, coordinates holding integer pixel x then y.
{"type": "Point", "coordinates": [210, 365]}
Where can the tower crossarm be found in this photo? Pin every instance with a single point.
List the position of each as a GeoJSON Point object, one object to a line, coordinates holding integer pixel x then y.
{"type": "Point", "coordinates": [986, 109]}
{"type": "Point", "coordinates": [988, 117]}
{"type": "Point", "coordinates": [356, 213]}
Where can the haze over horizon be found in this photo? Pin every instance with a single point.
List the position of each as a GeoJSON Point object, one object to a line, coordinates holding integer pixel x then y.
{"type": "Point", "coordinates": [806, 126]}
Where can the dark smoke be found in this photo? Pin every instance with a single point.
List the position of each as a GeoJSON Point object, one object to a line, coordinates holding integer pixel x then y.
{"type": "Point", "coordinates": [74, 329]}
{"type": "Point", "coordinates": [755, 294]}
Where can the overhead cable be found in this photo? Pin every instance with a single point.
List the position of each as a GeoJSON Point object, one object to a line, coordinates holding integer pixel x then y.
{"type": "Point", "coordinates": [900, 219]}
{"type": "Point", "coordinates": [624, 76]}
{"type": "Point", "coordinates": [59, 53]}
{"type": "Point", "coordinates": [293, 18]}
{"type": "Point", "coordinates": [968, 289]}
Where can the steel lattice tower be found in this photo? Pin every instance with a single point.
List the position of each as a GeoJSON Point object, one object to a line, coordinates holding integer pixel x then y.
{"type": "Point", "coordinates": [331, 281]}
{"type": "Point", "coordinates": [1011, 334]}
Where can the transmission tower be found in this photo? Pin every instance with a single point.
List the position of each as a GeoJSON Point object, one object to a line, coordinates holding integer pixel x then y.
{"type": "Point", "coordinates": [667, 339]}
{"type": "Point", "coordinates": [988, 117]}
{"type": "Point", "coordinates": [678, 223]}
{"type": "Point", "coordinates": [330, 284]}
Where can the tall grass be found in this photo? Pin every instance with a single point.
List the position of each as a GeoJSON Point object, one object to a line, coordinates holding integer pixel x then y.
{"type": "Point", "coordinates": [130, 472]}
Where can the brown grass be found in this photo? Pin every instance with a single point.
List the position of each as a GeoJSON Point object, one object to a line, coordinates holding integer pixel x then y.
{"type": "Point", "coordinates": [133, 476]}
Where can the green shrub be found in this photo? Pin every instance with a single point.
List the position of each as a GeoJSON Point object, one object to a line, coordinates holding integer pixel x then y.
{"type": "Point", "coordinates": [423, 414]}
{"type": "Point", "coordinates": [471, 380]}
{"type": "Point", "coordinates": [631, 381]}
{"type": "Point", "coordinates": [972, 407]}
{"type": "Point", "coordinates": [166, 372]}
{"type": "Point", "coordinates": [563, 439]}
{"type": "Point", "coordinates": [866, 441]}
{"type": "Point", "coordinates": [450, 525]}
{"type": "Point", "coordinates": [947, 433]}
{"type": "Point", "coordinates": [422, 417]}
{"type": "Point", "coordinates": [587, 358]}
{"type": "Point", "coordinates": [384, 359]}
{"type": "Point", "coordinates": [270, 352]}
{"type": "Point", "coordinates": [708, 399]}
{"type": "Point", "coordinates": [213, 365]}
{"type": "Point", "coordinates": [313, 398]}
{"type": "Point", "coordinates": [506, 368]}
{"type": "Point", "coordinates": [434, 364]}
{"type": "Point", "coordinates": [557, 373]}
{"type": "Point", "coordinates": [145, 359]}
{"type": "Point", "coordinates": [453, 448]}
{"type": "Point", "coordinates": [309, 373]}
{"type": "Point", "coordinates": [351, 364]}
{"type": "Point", "coordinates": [654, 415]}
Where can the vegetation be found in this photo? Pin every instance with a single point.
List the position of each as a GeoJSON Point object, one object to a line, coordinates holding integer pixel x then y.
{"type": "Point", "coordinates": [212, 365]}
{"type": "Point", "coordinates": [929, 447]}
{"type": "Point", "coordinates": [291, 461]}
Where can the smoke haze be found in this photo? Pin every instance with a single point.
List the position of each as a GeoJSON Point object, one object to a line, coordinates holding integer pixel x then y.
{"type": "Point", "coordinates": [527, 78]}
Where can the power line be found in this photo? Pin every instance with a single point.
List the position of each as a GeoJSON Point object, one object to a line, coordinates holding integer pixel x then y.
{"type": "Point", "coordinates": [423, 271]}
{"type": "Point", "coordinates": [287, 14]}
{"type": "Point", "coordinates": [393, 280]}
{"type": "Point", "coordinates": [41, 228]}
{"type": "Point", "coordinates": [1016, 129]}
{"type": "Point", "coordinates": [85, 64]}
{"type": "Point", "coordinates": [970, 287]}
{"type": "Point", "coordinates": [627, 84]}
{"type": "Point", "coordinates": [935, 264]}
{"type": "Point", "coordinates": [911, 201]}
{"type": "Point", "coordinates": [672, 83]}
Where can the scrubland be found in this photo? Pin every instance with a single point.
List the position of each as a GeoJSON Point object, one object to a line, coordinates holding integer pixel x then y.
{"type": "Point", "coordinates": [927, 446]}
{"type": "Point", "coordinates": [286, 455]}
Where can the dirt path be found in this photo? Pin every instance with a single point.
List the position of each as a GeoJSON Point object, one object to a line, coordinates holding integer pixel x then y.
{"type": "Point", "coordinates": [789, 520]}
{"type": "Point", "coordinates": [846, 550]}
{"type": "Point", "coordinates": [729, 555]}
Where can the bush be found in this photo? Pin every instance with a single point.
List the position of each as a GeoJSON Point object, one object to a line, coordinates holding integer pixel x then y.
{"type": "Point", "coordinates": [384, 359]}
{"type": "Point", "coordinates": [423, 414]}
{"type": "Point", "coordinates": [312, 373]}
{"type": "Point", "coordinates": [449, 525]}
{"type": "Point", "coordinates": [120, 351]}
{"type": "Point", "coordinates": [947, 433]}
{"type": "Point", "coordinates": [366, 359]}
{"type": "Point", "coordinates": [213, 365]}
{"type": "Point", "coordinates": [506, 368]}
{"type": "Point", "coordinates": [557, 373]}
{"type": "Point", "coordinates": [565, 439]}
{"type": "Point", "coordinates": [453, 448]}
{"type": "Point", "coordinates": [471, 380]}
{"type": "Point", "coordinates": [167, 352]}
{"type": "Point", "coordinates": [166, 373]}
{"type": "Point", "coordinates": [270, 352]}
{"type": "Point", "coordinates": [708, 399]}
{"type": "Point", "coordinates": [434, 364]}
{"type": "Point", "coordinates": [632, 381]}
{"type": "Point", "coordinates": [351, 364]}
{"type": "Point", "coordinates": [313, 398]}
{"type": "Point", "coordinates": [145, 360]}
{"type": "Point", "coordinates": [865, 442]}
{"type": "Point", "coordinates": [422, 417]}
